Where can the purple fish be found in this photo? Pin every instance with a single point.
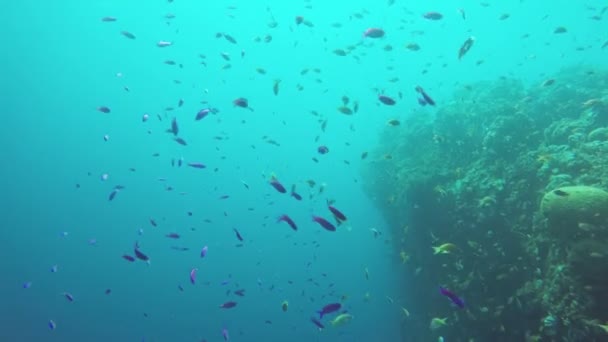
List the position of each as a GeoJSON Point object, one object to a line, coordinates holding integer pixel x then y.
{"type": "Point", "coordinates": [324, 223]}
{"type": "Point", "coordinates": [104, 109]}
{"type": "Point", "coordinates": [294, 194]}
{"type": "Point", "coordinates": [386, 100]}
{"type": "Point", "coordinates": [193, 275]}
{"type": "Point", "coordinates": [139, 255]}
{"type": "Point", "coordinates": [228, 305]}
{"type": "Point", "coordinates": [323, 149]}
{"type": "Point", "coordinates": [181, 141]}
{"type": "Point", "coordinates": [241, 102]}
{"type": "Point", "coordinates": [197, 165]}
{"type": "Point", "coordinates": [225, 334]}
{"type": "Point", "coordinates": [425, 96]}
{"type": "Point", "coordinates": [317, 323]}
{"type": "Point", "coordinates": [337, 213]}
{"type": "Point", "coordinates": [202, 114]}
{"type": "Point", "coordinates": [204, 251]}
{"type": "Point", "coordinates": [459, 302]}
{"type": "Point", "coordinates": [238, 235]}
{"type": "Point", "coordinates": [68, 296]}
{"type": "Point", "coordinates": [329, 308]}
{"type": "Point", "coordinates": [240, 292]}
{"type": "Point", "coordinates": [172, 236]}
{"type": "Point", "coordinates": [128, 257]}
{"type": "Point", "coordinates": [285, 218]}
{"type": "Point", "coordinates": [277, 185]}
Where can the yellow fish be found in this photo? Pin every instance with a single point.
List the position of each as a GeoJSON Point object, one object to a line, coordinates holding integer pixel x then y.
{"type": "Point", "coordinates": [437, 323]}
{"type": "Point", "coordinates": [341, 319]}
{"type": "Point", "coordinates": [446, 248]}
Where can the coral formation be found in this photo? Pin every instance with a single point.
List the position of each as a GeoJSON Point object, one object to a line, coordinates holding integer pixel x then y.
{"type": "Point", "coordinates": [513, 176]}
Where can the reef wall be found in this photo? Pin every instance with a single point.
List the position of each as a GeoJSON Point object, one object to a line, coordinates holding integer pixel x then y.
{"type": "Point", "coordinates": [489, 182]}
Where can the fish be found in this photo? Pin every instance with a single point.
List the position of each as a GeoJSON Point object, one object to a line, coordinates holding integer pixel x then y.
{"type": "Point", "coordinates": [52, 325]}
{"type": "Point", "coordinates": [465, 47]}
{"type": "Point", "coordinates": [459, 302]}
{"type": "Point", "coordinates": [108, 19]}
{"type": "Point", "coordinates": [128, 34]}
{"type": "Point", "coordinates": [290, 222]}
{"type": "Point", "coordinates": [277, 185]}
{"type": "Point", "coordinates": [284, 305]}
{"type": "Point", "coordinates": [432, 15]}
{"type": "Point", "coordinates": [128, 257]}
{"type": "Point", "coordinates": [229, 38]}
{"type": "Point", "coordinates": [225, 334]}
{"type": "Point", "coordinates": [337, 213]}
{"type": "Point", "coordinates": [241, 102]}
{"type": "Point", "coordinates": [104, 109]}
{"type": "Point", "coordinates": [172, 236]}
{"type": "Point", "coordinates": [345, 110]}
{"type": "Point", "coordinates": [193, 275]}
{"type": "Point", "coordinates": [560, 29]}
{"type": "Point", "coordinates": [113, 194]}
{"type": "Point", "coordinates": [373, 32]}
{"type": "Point", "coordinates": [275, 87]}
{"type": "Point", "coordinates": [605, 44]}
{"type": "Point", "coordinates": [228, 305]}
{"type": "Point", "coordinates": [393, 122]}
{"type": "Point", "coordinates": [180, 141]}
{"type": "Point", "coordinates": [139, 255]}
{"type": "Point", "coordinates": [68, 296]}
{"type": "Point", "coordinates": [322, 149]}
{"type": "Point", "coordinates": [341, 319]}
{"type": "Point", "coordinates": [153, 223]}
{"type": "Point", "coordinates": [317, 323]}
{"type": "Point", "coordinates": [324, 223]}
{"type": "Point", "coordinates": [238, 235]}
{"type": "Point", "coordinates": [163, 43]}
{"type": "Point", "coordinates": [437, 323]}
{"type": "Point", "coordinates": [462, 13]}
{"type": "Point", "coordinates": [174, 127]}
{"type": "Point", "coordinates": [329, 308]}
{"type": "Point", "coordinates": [202, 114]}
{"type": "Point", "coordinates": [427, 99]}
{"type": "Point", "coordinates": [446, 248]}
{"type": "Point", "coordinates": [240, 292]}
{"type": "Point", "coordinates": [386, 100]}
{"type": "Point", "coordinates": [294, 194]}
{"type": "Point", "coordinates": [204, 251]}
{"type": "Point", "coordinates": [412, 47]}
{"type": "Point", "coordinates": [197, 165]}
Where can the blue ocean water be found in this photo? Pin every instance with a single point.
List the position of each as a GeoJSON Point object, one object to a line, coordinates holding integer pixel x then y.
{"type": "Point", "coordinates": [62, 62]}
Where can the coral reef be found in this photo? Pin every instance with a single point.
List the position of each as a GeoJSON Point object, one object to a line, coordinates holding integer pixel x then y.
{"type": "Point", "coordinates": [512, 176]}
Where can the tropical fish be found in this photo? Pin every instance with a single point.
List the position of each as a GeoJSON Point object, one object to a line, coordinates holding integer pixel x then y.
{"type": "Point", "coordinates": [317, 323]}
{"type": "Point", "coordinates": [425, 97]}
{"type": "Point", "coordinates": [290, 222]}
{"type": "Point", "coordinates": [225, 334]}
{"type": "Point", "coordinates": [386, 100]}
{"type": "Point", "coordinates": [163, 43]}
{"type": "Point", "coordinates": [433, 15]}
{"type": "Point", "coordinates": [172, 235]}
{"type": "Point", "coordinates": [445, 248]}
{"type": "Point", "coordinates": [240, 292]}
{"type": "Point", "coordinates": [104, 109]}
{"type": "Point", "coordinates": [294, 194]}
{"type": "Point", "coordinates": [373, 32]}
{"type": "Point", "coordinates": [52, 325]}
{"type": "Point", "coordinates": [128, 257]}
{"type": "Point", "coordinates": [459, 302]}
{"type": "Point", "coordinates": [197, 165]}
{"type": "Point", "coordinates": [277, 185]}
{"type": "Point", "coordinates": [323, 149]}
{"type": "Point", "coordinates": [337, 213]}
{"type": "Point", "coordinates": [181, 141]}
{"type": "Point", "coordinates": [108, 19]}
{"type": "Point", "coordinates": [174, 127]}
{"type": "Point", "coordinates": [128, 34]}
{"type": "Point", "coordinates": [139, 255]}
{"type": "Point", "coordinates": [341, 319]}
{"type": "Point", "coordinates": [466, 46]}
{"type": "Point", "coordinates": [238, 235]}
{"type": "Point", "coordinates": [193, 275]}
{"type": "Point", "coordinates": [284, 305]}
{"type": "Point", "coordinates": [324, 223]}
{"type": "Point", "coordinates": [241, 102]}
{"type": "Point", "coordinates": [437, 323]}
{"type": "Point", "coordinates": [329, 308]}
{"type": "Point", "coordinates": [204, 251]}
{"type": "Point", "coordinates": [202, 113]}
{"type": "Point", "coordinates": [228, 305]}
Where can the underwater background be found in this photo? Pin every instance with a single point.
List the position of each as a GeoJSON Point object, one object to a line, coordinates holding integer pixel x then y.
{"type": "Point", "coordinates": [207, 171]}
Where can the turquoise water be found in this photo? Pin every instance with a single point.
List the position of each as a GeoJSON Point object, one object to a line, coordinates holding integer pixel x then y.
{"type": "Point", "coordinates": [61, 62]}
